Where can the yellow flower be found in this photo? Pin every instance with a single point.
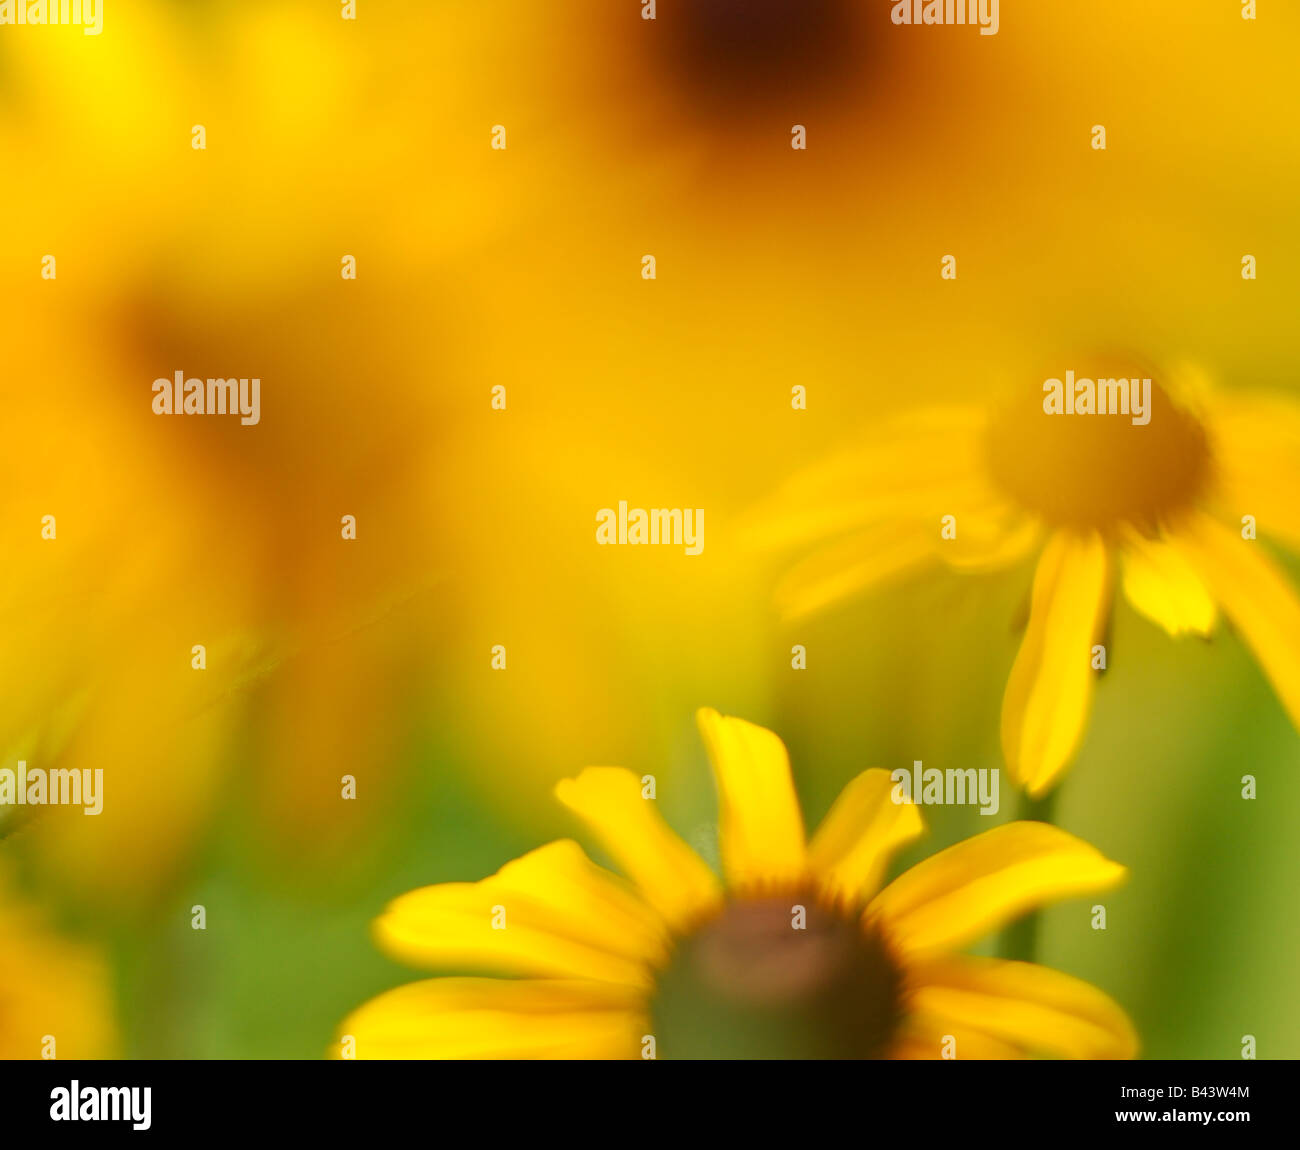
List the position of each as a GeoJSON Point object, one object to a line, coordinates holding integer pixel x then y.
{"type": "Point", "coordinates": [96, 671]}
{"type": "Point", "coordinates": [797, 953]}
{"type": "Point", "coordinates": [1169, 509]}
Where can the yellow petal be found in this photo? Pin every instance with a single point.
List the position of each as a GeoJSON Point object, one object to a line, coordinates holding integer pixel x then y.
{"type": "Point", "coordinates": [497, 1018]}
{"type": "Point", "coordinates": [860, 563]}
{"type": "Point", "coordinates": [1039, 1010]}
{"type": "Point", "coordinates": [1049, 694]}
{"type": "Point", "coordinates": [671, 877]}
{"type": "Point", "coordinates": [1163, 585]}
{"type": "Point", "coordinates": [760, 827]}
{"type": "Point", "coordinates": [552, 913]}
{"type": "Point", "coordinates": [1256, 596]}
{"type": "Point", "coordinates": [989, 541]}
{"type": "Point", "coordinates": [1257, 458]}
{"type": "Point", "coordinates": [976, 886]}
{"type": "Point", "coordinates": [859, 835]}
{"type": "Point", "coordinates": [916, 462]}
{"type": "Point", "coordinates": [927, 1037]}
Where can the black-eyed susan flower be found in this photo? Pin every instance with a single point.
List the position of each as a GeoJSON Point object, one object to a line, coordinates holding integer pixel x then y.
{"type": "Point", "coordinates": [797, 951]}
{"type": "Point", "coordinates": [1178, 508]}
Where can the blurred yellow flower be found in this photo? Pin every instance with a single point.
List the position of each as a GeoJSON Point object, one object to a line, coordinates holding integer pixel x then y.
{"type": "Point", "coordinates": [180, 260]}
{"type": "Point", "coordinates": [1174, 503]}
{"type": "Point", "coordinates": [798, 953]}
{"type": "Point", "coordinates": [55, 997]}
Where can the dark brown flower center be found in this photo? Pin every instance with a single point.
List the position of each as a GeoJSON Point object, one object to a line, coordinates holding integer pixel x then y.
{"type": "Point", "coordinates": [778, 978]}
{"type": "Point", "coordinates": [751, 50]}
{"type": "Point", "coordinates": [1092, 470]}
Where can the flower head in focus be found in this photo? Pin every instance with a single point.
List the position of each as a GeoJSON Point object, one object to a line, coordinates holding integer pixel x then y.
{"type": "Point", "coordinates": [798, 952]}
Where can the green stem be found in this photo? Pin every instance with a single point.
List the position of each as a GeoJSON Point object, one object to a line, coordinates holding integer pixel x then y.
{"type": "Point", "coordinates": [1020, 939]}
